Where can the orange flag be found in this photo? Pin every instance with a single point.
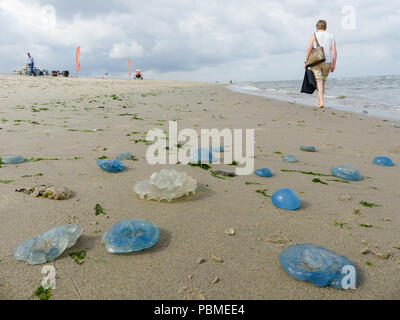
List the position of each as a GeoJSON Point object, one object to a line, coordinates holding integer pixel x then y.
{"type": "Point", "coordinates": [78, 63]}
{"type": "Point", "coordinates": [129, 66]}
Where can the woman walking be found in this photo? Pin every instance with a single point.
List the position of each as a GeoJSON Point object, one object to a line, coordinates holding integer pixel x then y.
{"type": "Point", "coordinates": [321, 70]}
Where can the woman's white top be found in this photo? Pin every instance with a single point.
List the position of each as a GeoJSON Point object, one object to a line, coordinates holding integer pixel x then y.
{"type": "Point", "coordinates": [326, 41]}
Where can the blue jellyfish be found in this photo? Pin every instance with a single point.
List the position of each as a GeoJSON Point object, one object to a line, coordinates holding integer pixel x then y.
{"type": "Point", "coordinates": [347, 173]}
{"type": "Point", "coordinates": [317, 265]}
{"type": "Point", "coordinates": [383, 161]}
{"type": "Point", "coordinates": [217, 149]}
{"type": "Point", "coordinates": [289, 158]}
{"type": "Point", "coordinates": [286, 199]}
{"type": "Point", "coordinates": [124, 156]}
{"type": "Point", "coordinates": [264, 172]}
{"type": "Point", "coordinates": [202, 155]}
{"type": "Point", "coordinates": [12, 159]}
{"type": "Point", "coordinates": [130, 235]}
{"type": "Point", "coordinates": [307, 148]}
{"type": "Point", "coordinates": [114, 165]}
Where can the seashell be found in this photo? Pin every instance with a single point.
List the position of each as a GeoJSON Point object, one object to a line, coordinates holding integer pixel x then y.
{"type": "Point", "coordinates": [48, 191]}
{"type": "Point", "coordinates": [167, 184]}
{"type": "Point", "coordinates": [49, 245]}
{"type": "Point", "coordinates": [130, 236]}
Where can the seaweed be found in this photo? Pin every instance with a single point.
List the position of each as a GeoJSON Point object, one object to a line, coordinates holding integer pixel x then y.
{"type": "Point", "coordinates": [135, 117]}
{"type": "Point", "coordinates": [42, 293]}
{"type": "Point", "coordinates": [365, 225]}
{"type": "Point", "coordinates": [200, 165]}
{"type": "Point", "coordinates": [309, 173]}
{"type": "Point", "coordinates": [369, 205]}
{"type": "Point", "coordinates": [78, 256]}
{"type": "Point", "coordinates": [316, 180]}
{"type": "Point", "coordinates": [249, 183]}
{"type": "Point", "coordinates": [263, 193]}
{"type": "Point", "coordinates": [6, 181]}
{"type": "Point", "coordinates": [339, 224]}
{"type": "Point", "coordinates": [32, 175]}
{"type": "Point", "coordinates": [40, 159]}
{"type": "Point", "coordinates": [216, 175]}
{"type": "Point", "coordinates": [98, 210]}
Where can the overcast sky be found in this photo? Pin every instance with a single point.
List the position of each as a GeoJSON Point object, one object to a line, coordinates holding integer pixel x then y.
{"type": "Point", "coordinates": [198, 39]}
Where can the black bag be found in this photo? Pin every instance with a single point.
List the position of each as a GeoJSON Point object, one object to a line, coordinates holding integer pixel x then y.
{"type": "Point", "coordinates": [309, 83]}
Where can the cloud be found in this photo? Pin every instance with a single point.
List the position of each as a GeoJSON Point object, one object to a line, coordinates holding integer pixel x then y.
{"type": "Point", "coordinates": [125, 50]}
{"type": "Point", "coordinates": [196, 40]}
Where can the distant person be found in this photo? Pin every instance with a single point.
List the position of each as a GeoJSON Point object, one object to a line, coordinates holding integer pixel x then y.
{"type": "Point", "coordinates": [30, 62]}
{"type": "Point", "coordinates": [321, 70]}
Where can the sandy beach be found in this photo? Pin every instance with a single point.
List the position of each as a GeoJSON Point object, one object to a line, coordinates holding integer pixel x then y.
{"type": "Point", "coordinates": [76, 121]}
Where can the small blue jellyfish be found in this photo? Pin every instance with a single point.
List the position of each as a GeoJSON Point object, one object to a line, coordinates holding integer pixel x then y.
{"type": "Point", "coordinates": [124, 156]}
{"type": "Point", "coordinates": [264, 172]}
{"type": "Point", "coordinates": [347, 173]}
{"type": "Point", "coordinates": [12, 159]}
{"type": "Point", "coordinates": [289, 158]}
{"type": "Point", "coordinates": [286, 199]}
{"type": "Point", "coordinates": [217, 149]}
{"type": "Point", "coordinates": [202, 155]}
{"type": "Point", "coordinates": [114, 165]}
{"type": "Point", "coordinates": [307, 148]}
{"type": "Point", "coordinates": [317, 265]}
{"type": "Point", "coordinates": [383, 161]}
{"type": "Point", "coordinates": [130, 235]}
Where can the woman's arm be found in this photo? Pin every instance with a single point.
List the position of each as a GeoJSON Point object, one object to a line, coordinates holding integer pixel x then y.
{"type": "Point", "coordinates": [310, 46]}
{"type": "Point", "coordinates": [334, 56]}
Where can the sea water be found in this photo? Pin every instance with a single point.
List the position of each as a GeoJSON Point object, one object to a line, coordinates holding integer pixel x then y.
{"type": "Point", "coordinates": [378, 96]}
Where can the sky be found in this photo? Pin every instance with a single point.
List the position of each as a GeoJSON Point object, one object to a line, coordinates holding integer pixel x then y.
{"type": "Point", "coordinates": [199, 40]}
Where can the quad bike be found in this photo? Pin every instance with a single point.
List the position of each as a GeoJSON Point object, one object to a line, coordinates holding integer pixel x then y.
{"type": "Point", "coordinates": [138, 75]}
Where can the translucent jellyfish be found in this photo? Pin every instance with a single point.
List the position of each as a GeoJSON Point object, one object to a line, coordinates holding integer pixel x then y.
{"type": "Point", "coordinates": [383, 161]}
{"type": "Point", "coordinates": [307, 148]}
{"type": "Point", "coordinates": [202, 155]}
{"type": "Point", "coordinates": [347, 173]}
{"type": "Point", "coordinates": [289, 158]}
{"type": "Point", "coordinates": [315, 264]}
{"type": "Point", "coordinates": [264, 172]}
{"type": "Point", "coordinates": [130, 235]}
{"type": "Point", "coordinates": [49, 245]}
{"type": "Point", "coordinates": [167, 184]}
{"type": "Point", "coordinates": [12, 159]}
{"type": "Point", "coordinates": [286, 199]}
{"type": "Point", "coordinates": [114, 165]}
{"type": "Point", "coordinates": [125, 156]}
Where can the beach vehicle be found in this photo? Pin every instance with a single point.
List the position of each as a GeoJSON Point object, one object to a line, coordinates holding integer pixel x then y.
{"type": "Point", "coordinates": [138, 75]}
{"type": "Point", "coordinates": [26, 71]}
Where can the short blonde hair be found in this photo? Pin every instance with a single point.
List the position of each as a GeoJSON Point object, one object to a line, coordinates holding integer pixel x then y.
{"type": "Point", "coordinates": [321, 24]}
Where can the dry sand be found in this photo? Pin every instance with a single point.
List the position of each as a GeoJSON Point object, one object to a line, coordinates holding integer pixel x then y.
{"type": "Point", "coordinates": [192, 227]}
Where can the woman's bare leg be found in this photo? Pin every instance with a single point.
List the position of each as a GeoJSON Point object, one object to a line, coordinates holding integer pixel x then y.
{"type": "Point", "coordinates": [321, 89]}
